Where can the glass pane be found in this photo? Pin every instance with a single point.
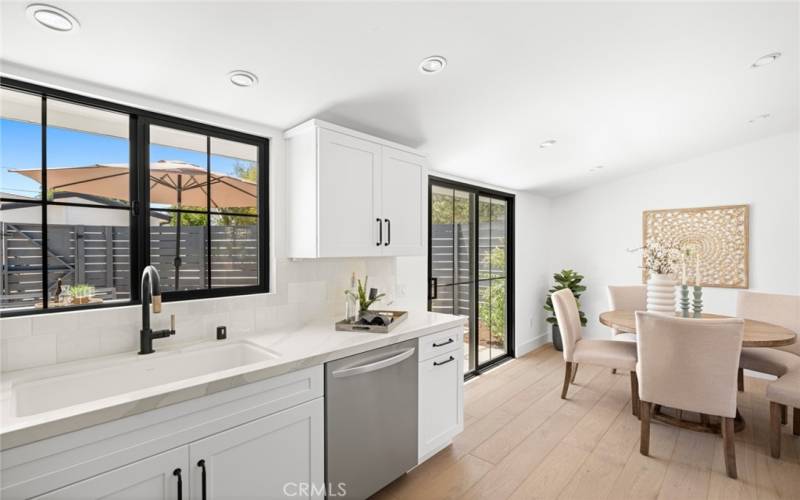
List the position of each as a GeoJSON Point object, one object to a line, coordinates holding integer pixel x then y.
{"type": "Point", "coordinates": [88, 255]}
{"type": "Point", "coordinates": [87, 155]}
{"type": "Point", "coordinates": [497, 317]}
{"type": "Point", "coordinates": [484, 237]}
{"type": "Point", "coordinates": [234, 251]}
{"type": "Point", "coordinates": [484, 320]}
{"type": "Point", "coordinates": [498, 238]}
{"type": "Point", "coordinates": [20, 145]}
{"type": "Point", "coordinates": [178, 249]}
{"type": "Point", "coordinates": [21, 239]}
{"type": "Point", "coordinates": [234, 177]}
{"type": "Point", "coordinates": [442, 235]}
{"type": "Point", "coordinates": [178, 169]}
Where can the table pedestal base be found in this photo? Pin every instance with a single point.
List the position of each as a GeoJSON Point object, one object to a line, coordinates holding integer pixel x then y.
{"type": "Point", "coordinates": [693, 421]}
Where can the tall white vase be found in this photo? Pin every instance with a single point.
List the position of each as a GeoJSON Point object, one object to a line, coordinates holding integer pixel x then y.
{"type": "Point", "coordinates": [661, 294]}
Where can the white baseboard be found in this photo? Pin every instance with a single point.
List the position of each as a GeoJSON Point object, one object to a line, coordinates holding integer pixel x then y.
{"type": "Point", "coordinates": [526, 347]}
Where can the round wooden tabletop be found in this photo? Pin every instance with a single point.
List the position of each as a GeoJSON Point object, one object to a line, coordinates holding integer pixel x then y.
{"type": "Point", "coordinates": [756, 333]}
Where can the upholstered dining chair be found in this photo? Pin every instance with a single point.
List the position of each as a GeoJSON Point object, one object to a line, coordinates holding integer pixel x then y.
{"type": "Point", "coordinates": [782, 393]}
{"type": "Point", "coordinates": [626, 298]}
{"type": "Point", "coordinates": [577, 350]}
{"type": "Point", "coordinates": [690, 365]}
{"type": "Point", "coordinates": [778, 309]}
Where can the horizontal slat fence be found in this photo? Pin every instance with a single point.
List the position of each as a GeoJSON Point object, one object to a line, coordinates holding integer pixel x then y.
{"type": "Point", "coordinates": [99, 256]}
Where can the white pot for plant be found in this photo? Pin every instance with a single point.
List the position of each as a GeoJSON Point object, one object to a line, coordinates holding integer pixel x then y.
{"type": "Point", "coordinates": [661, 294]}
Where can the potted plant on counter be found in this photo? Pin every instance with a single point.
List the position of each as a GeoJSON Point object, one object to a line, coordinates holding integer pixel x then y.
{"type": "Point", "coordinates": [567, 278]}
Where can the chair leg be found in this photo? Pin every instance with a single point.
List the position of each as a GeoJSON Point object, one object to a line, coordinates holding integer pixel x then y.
{"type": "Point", "coordinates": [784, 414]}
{"type": "Point", "coordinates": [729, 438]}
{"type": "Point", "coordinates": [613, 371]}
{"type": "Point", "coordinates": [567, 377]}
{"type": "Point", "coordinates": [644, 414]}
{"type": "Point", "coordinates": [775, 429]}
{"type": "Point", "coordinates": [740, 380]}
{"type": "Point", "coordinates": [634, 394]}
{"type": "Point", "coordinates": [796, 421]}
{"type": "Point", "coordinates": [574, 372]}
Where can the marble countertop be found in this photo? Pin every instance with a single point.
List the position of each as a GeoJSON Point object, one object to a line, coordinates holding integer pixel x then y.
{"type": "Point", "coordinates": [312, 344]}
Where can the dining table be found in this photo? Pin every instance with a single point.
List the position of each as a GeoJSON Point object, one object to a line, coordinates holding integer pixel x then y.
{"type": "Point", "coordinates": [756, 334]}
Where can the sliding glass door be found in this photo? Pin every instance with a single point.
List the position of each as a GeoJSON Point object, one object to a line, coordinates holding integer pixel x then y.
{"type": "Point", "coordinates": [470, 271]}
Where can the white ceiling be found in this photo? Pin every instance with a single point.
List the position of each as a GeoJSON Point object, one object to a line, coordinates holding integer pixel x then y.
{"type": "Point", "coordinates": [627, 86]}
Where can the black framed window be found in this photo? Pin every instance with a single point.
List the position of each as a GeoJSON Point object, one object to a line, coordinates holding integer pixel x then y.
{"type": "Point", "coordinates": [92, 191]}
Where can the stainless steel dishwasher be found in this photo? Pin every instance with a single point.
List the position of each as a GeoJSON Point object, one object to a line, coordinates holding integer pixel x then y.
{"type": "Point", "coordinates": [370, 419]}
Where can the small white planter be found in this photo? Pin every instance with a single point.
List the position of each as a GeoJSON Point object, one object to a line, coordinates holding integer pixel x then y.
{"type": "Point", "coordinates": [661, 294]}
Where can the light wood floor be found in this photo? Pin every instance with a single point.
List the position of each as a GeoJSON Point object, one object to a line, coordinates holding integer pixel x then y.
{"type": "Point", "coordinates": [522, 441]}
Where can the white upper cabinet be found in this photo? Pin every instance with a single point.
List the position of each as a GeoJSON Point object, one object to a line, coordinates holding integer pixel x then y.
{"type": "Point", "coordinates": [353, 195]}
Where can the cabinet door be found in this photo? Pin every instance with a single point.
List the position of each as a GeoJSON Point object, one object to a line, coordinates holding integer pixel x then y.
{"type": "Point", "coordinates": [349, 196]}
{"type": "Point", "coordinates": [404, 201]}
{"type": "Point", "coordinates": [441, 402]}
{"type": "Point", "coordinates": [278, 456]}
{"type": "Point", "coordinates": [158, 477]}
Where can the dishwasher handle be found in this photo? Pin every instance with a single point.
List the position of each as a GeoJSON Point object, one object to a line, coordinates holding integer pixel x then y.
{"type": "Point", "coordinates": [374, 366]}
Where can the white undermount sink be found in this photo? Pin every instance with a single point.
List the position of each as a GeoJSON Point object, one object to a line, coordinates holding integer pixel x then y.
{"type": "Point", "coordinates": [141, 372]}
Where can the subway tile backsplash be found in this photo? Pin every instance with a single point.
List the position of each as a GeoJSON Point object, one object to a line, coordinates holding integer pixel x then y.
{"type": "Point", "coordinates": [302, 291]}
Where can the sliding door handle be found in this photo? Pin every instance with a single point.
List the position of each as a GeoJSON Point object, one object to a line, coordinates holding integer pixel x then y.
{"type": "Point", "coordinates": [434, 292]}
{"type": "Point", "coordinates": [380, 232]}
{"type": "Point", "coordinates": [388, 232]}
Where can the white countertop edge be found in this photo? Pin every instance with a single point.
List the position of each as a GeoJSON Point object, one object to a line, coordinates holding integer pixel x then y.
{"type": "Point", "coordinates": [310, 345]}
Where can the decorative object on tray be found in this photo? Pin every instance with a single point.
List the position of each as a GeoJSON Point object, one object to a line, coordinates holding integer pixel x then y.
{"type": "Point", "coordinates": [685, 301]}
{"type": "Point", "coordinates": [661, 261]}
{"type": "Point", "coordinates": [718, 235]}
{"type": "Point", "coordinates": [697, 302]}
{"type": "Point", "coordinates": [351, 301]}
{"type": "Point", "coordinates": [364, 299]}
{"type": "Point", "coordinates": [81, 294]}
{"type": "Point", "coordinates": [567, 278]}
{"type": "Point", "coordinates": [374, 322]}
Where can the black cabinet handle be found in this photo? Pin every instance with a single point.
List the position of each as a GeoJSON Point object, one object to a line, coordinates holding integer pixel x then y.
{"type": "Point", "coordinates": [202, 464]}
{"type": "Point", "coordinates": [449, 341]}
{"type": "Point", "coordinates": [380, 232]}
{"type": "Point", "coordinates": [388, 232]}
{"type": "Point", "coordinates": [435, 290]}
{"type": "Point", "coordinates": [177, 472]}
{"type": "Point", "coordinates": [435, 363]}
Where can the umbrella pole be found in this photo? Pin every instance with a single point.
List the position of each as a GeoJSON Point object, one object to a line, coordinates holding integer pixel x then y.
{"type": "Point", "coordinates": [177, 261]}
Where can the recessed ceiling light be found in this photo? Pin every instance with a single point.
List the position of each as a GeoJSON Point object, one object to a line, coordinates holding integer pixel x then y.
{"type": "Point", "coordinates": [759, 117]}
{"type": "Point", "coordinates": [547, 144]}
{"type": "Point", "coordinates": [596, 168]}
{"type": "Point", "coordinates": [52, 17]}
{"type": "Point", "coordinates": [767, 59]}
{"type": "Point", "coordinates": [242, 78]}
{"type": "Point", "coordinates": [431, 65]}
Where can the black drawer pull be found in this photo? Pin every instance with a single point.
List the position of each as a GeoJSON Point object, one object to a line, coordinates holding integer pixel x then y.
{"type": "Point", "coordinates": [436, 363]}
{"type": "Point", "coordinates": [449, 341]}
{"type": "Point", "coordinates": [177, 472]}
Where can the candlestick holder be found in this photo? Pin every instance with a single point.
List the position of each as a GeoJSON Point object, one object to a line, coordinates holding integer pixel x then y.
{"type": "Point", "coordinates": [685, 301]}
{"type": "Point", "coordinates": [697, 302]}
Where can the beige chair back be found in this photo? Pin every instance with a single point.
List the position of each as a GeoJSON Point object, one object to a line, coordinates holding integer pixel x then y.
{"type": "Point", "coordinates": [569, 321]}
{"type": "Point", "coordinates": [689, 364]}
{"type": "Point", "coordinates": [627, 298]}
{"type": "Point", "coordinates": [782, 310]}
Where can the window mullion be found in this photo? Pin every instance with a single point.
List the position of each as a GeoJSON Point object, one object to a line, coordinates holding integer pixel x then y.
{"type": "Point", "coordinates": [45, 271]}
{"type": "Point", "coordinates": [208, 210]}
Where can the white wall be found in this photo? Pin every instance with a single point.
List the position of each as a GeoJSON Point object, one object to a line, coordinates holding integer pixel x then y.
{"type": "Point", "coordinates": [592, 228]}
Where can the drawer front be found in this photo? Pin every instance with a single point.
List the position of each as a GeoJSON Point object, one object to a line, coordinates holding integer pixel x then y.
{"type": "Point", "coordinates": [441, 342]}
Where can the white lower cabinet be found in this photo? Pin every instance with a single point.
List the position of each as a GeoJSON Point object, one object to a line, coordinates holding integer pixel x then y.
{"type": "Point", "coordinates": [273, 457]}
{"type": "Point", "coordinates": [441, 391]}
{"type": "Point", "coordinates": [162, 477]}
{"type": "Point", "coordinates": [278, 456]}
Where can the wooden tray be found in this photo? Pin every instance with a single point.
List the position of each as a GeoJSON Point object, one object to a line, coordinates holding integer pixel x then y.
{"type": "Point", "coordinates": [397, 318]}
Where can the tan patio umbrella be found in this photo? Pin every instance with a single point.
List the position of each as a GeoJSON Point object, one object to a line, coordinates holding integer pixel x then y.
{"type": "Point", "coordinates": [172, 182]}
